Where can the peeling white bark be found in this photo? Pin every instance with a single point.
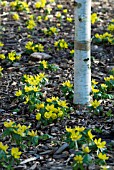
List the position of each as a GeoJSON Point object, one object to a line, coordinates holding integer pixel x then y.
{"type": "Point", "coordinates": [82, 70]}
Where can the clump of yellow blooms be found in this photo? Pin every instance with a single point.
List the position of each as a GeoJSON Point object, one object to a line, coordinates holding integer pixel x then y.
{"type": "Point", "coordinates": [12, 56]}
{"type": "Point", "coordinates": [31, 47]}
{"type": "Point", "coordinates": [50, 31]}
{"type": "Point", "coordinates": [31, 24]}
{"type": "Point", "coordinates": [19, 5]}
{"type": "Point", "coordinates": [40, 4]}
{"type": "Point", "coordinates": [61, 44]}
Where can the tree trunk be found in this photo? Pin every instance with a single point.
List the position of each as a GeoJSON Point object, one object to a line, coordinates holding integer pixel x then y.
{"type": "Point", "coordinates": [82, 68]}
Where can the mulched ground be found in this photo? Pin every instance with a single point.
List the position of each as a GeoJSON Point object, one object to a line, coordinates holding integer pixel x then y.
{"type": "Point", "coordinates": [45, 156]}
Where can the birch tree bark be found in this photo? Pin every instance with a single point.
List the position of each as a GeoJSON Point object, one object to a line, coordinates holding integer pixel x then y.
{"type": "Point", "coordinates": [82, 69]}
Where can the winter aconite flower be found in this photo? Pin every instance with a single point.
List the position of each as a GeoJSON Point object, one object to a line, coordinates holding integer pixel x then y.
{"type": "Point", "coordinates": [102, 156]}
{"type": "Point", "coordinates": [9, 124]}
{"type": "Point", "coordinates": [3, 147]}
{"type": "Point", "coordinates": [78, 159]}
{"type": "Point", "coordinates": [99, 143]}
{"type": "Point", "coordinates": [85, 149]}
{"type": "Point", "coordinates": [95, 104]}
{"type": "Point", "coordinates": [91, 136]}
{"type": "Point", "coordinates": [2, 56]}
{"type": "Point", "coordinates": [15, 16]}
{"type": "Point", "coordinates": [15, 153]}
{"type": "Point", "coordinates": [67, 83]}
{"type": "Point", "coordinates": [18, 93]}
{"type": "Point", "coordinates": [38, 116]}
{"type": "Point", "coordinates": [94, 18]}
{"type": "Point", "coordinates": [32, 133]}
{"type": "Point", "coordinates": [75, 136]}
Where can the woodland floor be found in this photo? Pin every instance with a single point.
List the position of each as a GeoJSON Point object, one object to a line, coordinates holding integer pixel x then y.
{"type": "Point", "coordinates": [102, 62]}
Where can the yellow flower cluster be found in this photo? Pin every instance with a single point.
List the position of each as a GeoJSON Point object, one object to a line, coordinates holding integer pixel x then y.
{"type": "Point", "coordinates": [111, 77]}
{"type": "Point", "coordinates": [40, 4]}
{"type": "Point", "coordinates": [103, 36]}
{"type": "Point", "coordinates": [31, 46]}
{"type": "Point", "coordinates": [94, 18]}
{"type": "Point", "coordinates": [78, 159]}
{"type": "Point", "coordinates": [31, 24]}
{"type": "Point", "coordinates": [12, 56]}
{"type": "Point", "coordinates": [1, 69]}
{"type": "Point", "coordinates": [94, 90]}
{"type": "Point", "coordinates": [61, 44]}
{"type": "Point", "coordinates": [75, 132]}
{"type": "Point", "coordinates": [111, 27]}
{"type": "Point", "coordinates": [50, 31]}
{"type": "Point", "coordinates": [19, 5]}
{"type": "Point", "coordinates": [35, 79]}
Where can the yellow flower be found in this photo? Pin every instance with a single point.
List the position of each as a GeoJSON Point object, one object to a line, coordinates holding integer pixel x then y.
{"type": "Point", "coordinates": [37, 4]}
{"type": "Point", "coordinates": [54, 116]}
{"type": "Point", "coordinates": [9, 124]}
{"type": "Point", "coordinates": [39, 18]}
{"type": "Point", "coordinates": [31, 24]}
{"type": "Point", "coordinates": [26, 99]}
{"type": "Point", "coordinates": [58, 14]}
{"type": "Point", "coordinates": [104, 85]}
{"type": "Point", "coordinates": [69, 19]}
{"type": "Point", "coordinates": [65, 11]}
{"type": "Point", "coordinates": [4, 3]}
{"type": "Point", "coordinates": [80, 129]}
{"type": "Point", "coordinates": [1, 44]}
{"type": "Point", "coordinates": [18, 57]}
{"type": "Point", "coordinates": [15, 153]}
{"type": "Point", "coordinates": [38, 116]}
{"type": "Point", "coordinates": [40, 106]}
{"type": "Point", "coordinates": [94, 18]}
{"type": "Point", "coordinates": [13, 3]}
{"type": "Point", "coordinates": [32, 133]}
{"type": "Point", "coordinates": [99, 143]}
{"type": "Point", "coordinates": [63, 103]}
{"type": "Point", "coordinates": [18, 93]}
{"type": "Point", "coordinates": [78, 159]}
{"type": "Point", "coordinates": [28, 88]}
{"type": "Point", "coordinates": [2, 56]}
{"type": "Point", "coordinates": [59, 6]}
{"type": "Point", "coordinates": [75, 136]}
{"type": "Point", "coordinates": [95, 103]}
{"type": "Point", "coordinates": [47, 115]}
{"type": "Point", "coordinates": [94, 82]}
{"type": "Point", "coordinates": [107, 78]}
{"type": "Point", "coordinates": [68, 84]}
{"type": "Point", "coordinates": [60, 114]}
{"type": "Point", "coordinates": [11, 56]}
{"type": "Point", "coordinates": [71, 51]}
{"type": "Point", "coordinates": [15, 16]}
{"type": "Point", "coordinates": [1, 69]}
{"type": "Point", "coordinates": [3, 147]}
{"type": "Point", "coordinates": [70, 130]}
{"type": "Point", "coordinates": [29, 45]}
{"type": "Point", "coordinates": [90, 134]}
{"type": "Point", "coordinates": [94, 90]}
{"type": "Point", "coordinates": [85, 149]}
{"type": "Point", "coordinates": [44, 63]}
{"type": "Point", "coordinates": [102, 156]}
{"type": "Point", "coordinates": [111, 27]}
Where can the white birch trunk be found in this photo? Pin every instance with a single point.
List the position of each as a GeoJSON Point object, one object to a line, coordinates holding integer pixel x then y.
{"type": "Point", "coordinates": [82, 68]}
